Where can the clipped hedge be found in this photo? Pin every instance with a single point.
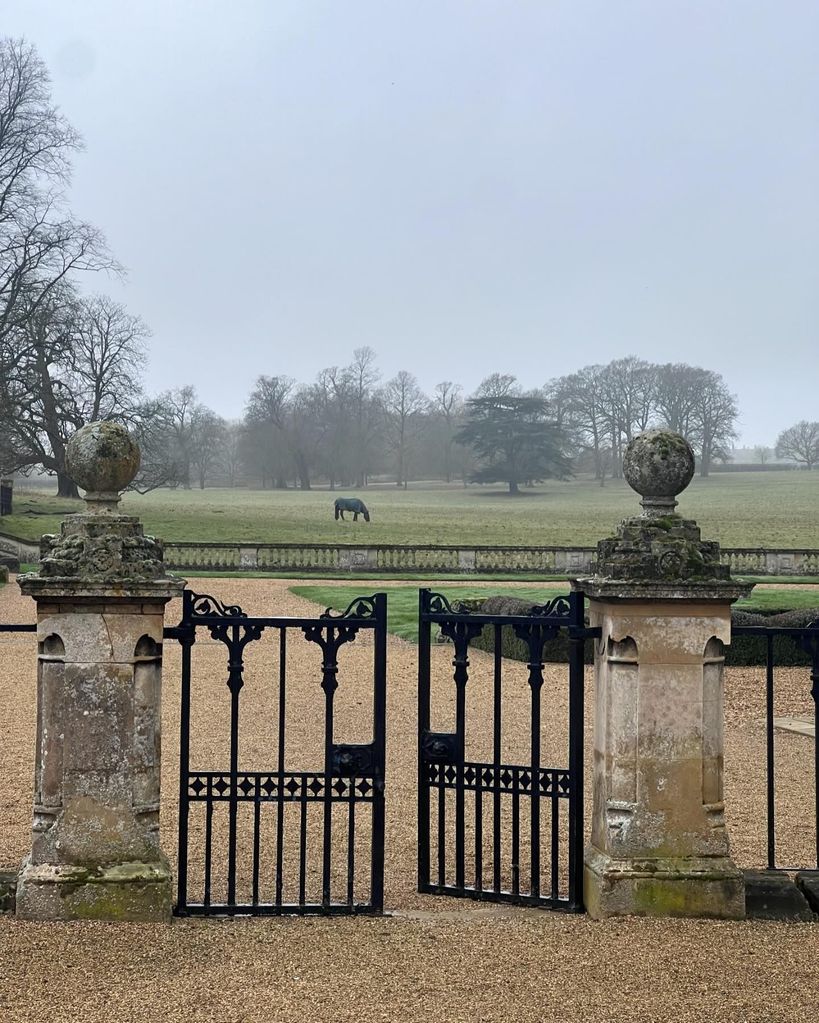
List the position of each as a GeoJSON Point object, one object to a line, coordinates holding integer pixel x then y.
{"type": "Point", "coordinates": [752, 650]}
{"type": "Point", "coordinates": [743, 651]}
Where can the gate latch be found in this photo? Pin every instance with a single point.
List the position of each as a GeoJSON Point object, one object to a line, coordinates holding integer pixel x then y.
{"type": "Point", "coordinates": [440, 747]}
{"type": "Point", "coordinates": [353, 759]}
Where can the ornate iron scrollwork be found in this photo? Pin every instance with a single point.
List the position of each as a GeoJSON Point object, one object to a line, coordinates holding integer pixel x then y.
{"type": "Point", "coordinates": [559, 607]}
{"type": "Point", "coordinates": [329, 638]}
{"type": "Point", "coordinates": [361, 607]}
{"type": "Point", "coordinates": [461, 632]}
{"type": "Point", "coordinates": [351, 760]}
{"type": "Point", "coordinates": [439, 605]}
{"type": "Point", "coordinates": [235, 636]}
{"type": "Point", "coordinates": [440, 747]}
{"type": "Point", "coordinates": [203, 605]}
{"type": "Point", "coordinates": [536, 636]}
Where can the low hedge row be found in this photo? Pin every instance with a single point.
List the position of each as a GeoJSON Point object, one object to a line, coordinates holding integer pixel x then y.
{"type": "Point", "coordinates": [743, 651]}
{"type": "Point", "coordinates": [787, 651]}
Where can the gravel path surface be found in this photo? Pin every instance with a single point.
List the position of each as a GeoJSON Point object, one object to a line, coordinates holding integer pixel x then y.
{"type": "Point", "coordinates": [434, 957]}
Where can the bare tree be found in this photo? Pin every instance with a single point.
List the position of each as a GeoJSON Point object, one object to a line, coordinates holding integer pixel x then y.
{"type": "Point", "coordinates": [762, 453]}
{"type": "Point", "coordinates": [403, 402]}
{"type": "Point", "coordinates": [41, 244]}
{"type": "Point", "coordinates": [287, 417]}
{"type": "Point", "coordinates": [715, 412]}
{"type": "Point", "coordinates": [586, 419]}
{"type": "Point", "coordinates": [361, 378]}
{"type": "Point", "coordinates": [174, 412]}
{"type": "Point", "coordinates": [800, 443]}
{"type": "Point", "coordinates": [676, 396]}
{"type": "Point", "coordinates": [205, 442]}
{"type": "Point", "coordinates": [497, 385]}
{"type": "Point", "coordinates": [231, 452]}
{"type": "Point", "coordinates": [107, 355]}
{"type": "Point", "coordinates": [449, 405]}
{"type": "Point", "coordinates": [76, 361]}
{"type": "Point", "coordinates": [627, 395]}
{"type": "Point", "coordinates": [162, 462]}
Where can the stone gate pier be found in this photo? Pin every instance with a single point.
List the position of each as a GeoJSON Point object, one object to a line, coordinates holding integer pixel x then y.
{"type": "Point", "coordinates": [659, 845]}
{"type": "Point", "coordinates": [101, 593]}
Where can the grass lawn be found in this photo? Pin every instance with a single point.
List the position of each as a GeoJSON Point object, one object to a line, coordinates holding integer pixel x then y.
{"type": "Point", "coordinates": [776, 509]}
{"type": "Point", "coordinates": [402, 601]}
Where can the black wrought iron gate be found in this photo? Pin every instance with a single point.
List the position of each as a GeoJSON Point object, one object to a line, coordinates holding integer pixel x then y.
{"type": "Point", "coordinates": [512, 816]}
{"type": "Point", "coordinates": [275, 840]}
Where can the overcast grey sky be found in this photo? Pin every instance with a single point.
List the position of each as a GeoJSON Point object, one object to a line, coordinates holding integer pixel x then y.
{"type": "Point", "coordinates": [464, 185]}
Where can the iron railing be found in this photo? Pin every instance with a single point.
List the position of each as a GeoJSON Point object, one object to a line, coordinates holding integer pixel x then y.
{"type": "Point", "coordinates": [808, 640]}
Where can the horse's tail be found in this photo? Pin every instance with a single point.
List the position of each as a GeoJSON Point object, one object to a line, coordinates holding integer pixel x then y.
{"type": "Point", "coordinates": [338, 510]}
{"type": "Point", "coordinates": [364, 512]}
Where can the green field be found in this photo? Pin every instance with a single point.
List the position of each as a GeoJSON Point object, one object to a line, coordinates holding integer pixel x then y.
{"type": "Point", "coordinates": [402, 601]}
{"type": "Point", "coordinates": [776, 509]}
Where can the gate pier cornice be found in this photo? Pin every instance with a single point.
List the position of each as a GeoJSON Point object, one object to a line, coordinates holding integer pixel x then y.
{"type": "Point", "coordinates": [662, 601]}
{"type": "Point", "coordinates": [101, 593]}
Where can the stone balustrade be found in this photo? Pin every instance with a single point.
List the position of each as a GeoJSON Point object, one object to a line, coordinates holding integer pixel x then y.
{"type": "Point", "coordinates": [401, 559]}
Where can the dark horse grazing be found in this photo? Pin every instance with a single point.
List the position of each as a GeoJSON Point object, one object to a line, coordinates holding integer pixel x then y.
{"type": "Point", "coordinates": [351, 504]}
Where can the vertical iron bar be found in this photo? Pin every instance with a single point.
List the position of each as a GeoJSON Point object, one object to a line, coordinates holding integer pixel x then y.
{"type": "Point", "coordinates": [496, 758]}
{"type": "Point", "coordinates": [460, 746]}
{"type": "Point", "coordinates": [184, 753]}
{"type": "Point", "coordinates": [329, 694]}
{"type": "Point", "coordinates": [423, 727]}
{"type": "Point", "coordinates": [351, 845]}
{"type": "Point", "coordinates": [478, 831]}
{"type": "Point", "coordinates": [441, 828]}
{"type": "Point", "coordinates": [576, 713]}
{"type": "Point", "coordinates": [515, 831]}
{"type": "Point", "coordinates": [535, 681]}
{"type": "Point", "coordinates": [814, 692]}
{"type": "Point", "coordinates": [280, 770]}
{"type": "Point", "coordinates": [303, 843]}
{"type": "Point", "coordinates": [380, 752]}
{"type": "Point", "coordinates": [233, 805]}
{"type": "Point", "coordinates": [769, 760]}
{"type": "Point", "coordinates": [257, 807]}
{"type": "Point", "coordinates": [555, 865]}
{"type": "Point", "coordinates": [208, 841]}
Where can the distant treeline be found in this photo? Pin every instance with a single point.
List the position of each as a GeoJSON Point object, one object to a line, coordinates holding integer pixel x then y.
{"type": "Point", "coordinates": [348, 427]}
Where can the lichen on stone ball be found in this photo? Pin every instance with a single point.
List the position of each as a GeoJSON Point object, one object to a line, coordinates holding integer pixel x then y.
{"type": "Point", "coordinates": [658, 463]}
{"type": "Point", "coordinates": [102, 458]}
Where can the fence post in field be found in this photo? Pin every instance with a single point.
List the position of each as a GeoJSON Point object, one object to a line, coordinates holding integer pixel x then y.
{"type": "Point", "coordinates": [101, 592]}
{"type": "Point", "coordinates": [659, 845]}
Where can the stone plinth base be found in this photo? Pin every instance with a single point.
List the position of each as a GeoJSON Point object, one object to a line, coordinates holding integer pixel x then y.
{"type": "Point", "coordinates": [685, 887]}
{"type": "Point", "coordinates": [125, 891]}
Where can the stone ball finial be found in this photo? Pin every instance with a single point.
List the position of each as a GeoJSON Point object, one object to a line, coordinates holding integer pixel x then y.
{"type": "Point", "coordinates": [102, 458]}
{"type": "Point", "coordinates": [658, 464]}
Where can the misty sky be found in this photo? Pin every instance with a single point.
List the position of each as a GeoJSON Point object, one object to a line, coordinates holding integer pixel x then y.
{"type": "Point", "coordinates": [466, 186]}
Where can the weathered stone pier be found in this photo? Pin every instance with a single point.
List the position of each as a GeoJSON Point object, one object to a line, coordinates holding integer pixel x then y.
{"type": "Point", "coordinates": [659, 845]}
{"type": "Point", "coordinates": [101, 593]}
